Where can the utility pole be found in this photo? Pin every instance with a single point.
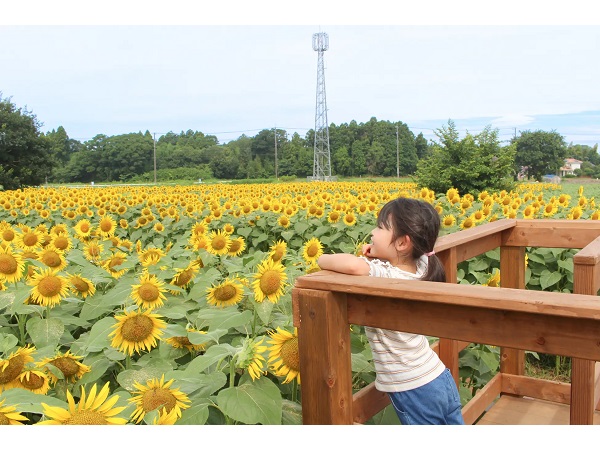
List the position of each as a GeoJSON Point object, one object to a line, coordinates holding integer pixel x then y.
{"type": "Point", "coordinates": [276, 152]}
{"type": "Point", "coordinates": [154, 158]}
{"type": "Point", "coordinates": [397, 154]}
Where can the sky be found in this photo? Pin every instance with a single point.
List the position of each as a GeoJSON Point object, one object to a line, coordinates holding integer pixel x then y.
{"type": "Point", "coordinates": [241, 67]}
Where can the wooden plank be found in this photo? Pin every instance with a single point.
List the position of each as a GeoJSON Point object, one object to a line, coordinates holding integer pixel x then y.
{"type": "Point", "coordinates": [557, 335]}
{"type": "Point", "coordinates": [528, 411]}
{"type": "Point", "coordinates": [512, 275]}
{"type": "Point", "coordinates": [589, 255]}
{"type": "Point", "coordinates": [324, 346]}
{"type": "Point", "coordinates": [481, 242]}
{"type": "Point", "coordinates": [597, 386]}
{"type": "Point", "coordinates": [556, 304]}
{"type": "Point", "coordinates": [482, 400]}
{"type": "Point", "coordinates": [367, 402]}
{"type": "Point", "coordinates": [554, 391]}
{"type": "Point", "coordinates": [552, 233]}
{"type": "Point", "coordinates": [466, 237]}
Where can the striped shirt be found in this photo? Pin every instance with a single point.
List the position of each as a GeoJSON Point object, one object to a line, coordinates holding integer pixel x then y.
{"type": "Point", "coordinates": [403, 361]}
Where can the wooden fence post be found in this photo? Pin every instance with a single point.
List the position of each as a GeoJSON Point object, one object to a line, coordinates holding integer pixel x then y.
{"type": "Point", "coordinates": [325, 360]}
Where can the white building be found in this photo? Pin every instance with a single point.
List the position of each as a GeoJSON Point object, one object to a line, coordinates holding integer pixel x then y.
{"type": "Point", "coordinates": [571, 165]}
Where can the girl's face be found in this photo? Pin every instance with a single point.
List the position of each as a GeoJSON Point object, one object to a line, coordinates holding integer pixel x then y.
{"type": "Point", "coordinates": [382, 246]}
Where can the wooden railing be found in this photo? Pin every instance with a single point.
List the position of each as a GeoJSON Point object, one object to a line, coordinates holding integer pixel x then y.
{"type": "Point", "coordinates": [515, 319]}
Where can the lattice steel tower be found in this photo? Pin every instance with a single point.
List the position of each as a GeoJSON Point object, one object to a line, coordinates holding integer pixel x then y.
{"type": "Point", "coordinates": [322, 161]}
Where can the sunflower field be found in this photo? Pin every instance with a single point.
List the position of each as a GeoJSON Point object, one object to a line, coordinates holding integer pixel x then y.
{"type": "Point", "coordinates": [172, 304]}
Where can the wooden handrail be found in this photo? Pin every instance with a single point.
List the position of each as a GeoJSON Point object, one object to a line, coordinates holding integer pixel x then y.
{"type": "Point", "coordinates": [325, 303]}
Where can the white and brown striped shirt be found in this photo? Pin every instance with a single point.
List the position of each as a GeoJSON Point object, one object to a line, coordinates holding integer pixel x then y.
{"type": "Point", "coordinates": [403, 361]}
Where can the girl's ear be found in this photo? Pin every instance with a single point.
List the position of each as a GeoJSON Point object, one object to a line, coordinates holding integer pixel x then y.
{"type": "Point", "coordinates": [403, 243]}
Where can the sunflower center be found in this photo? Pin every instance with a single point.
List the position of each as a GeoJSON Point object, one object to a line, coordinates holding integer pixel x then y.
{"type": "Point", "coordinates": [33, 382]}
{"type": "Point", "coordinates": [137, 328]}
{"type": "Point", "coordinates": [49, 286]}
{"type": "Point", "coordinates": [87, 417]}
{"type": "Point", "coordinates": [94, 250]}
{"type": "Point", "coordinates": [184, 278]}
{"type": "Point", "coordinates": [158, 397]}
{"type": "Point", "coordinates": [66, 365]}
{"type": "Point", "coordinates": [290, 354]}
{"type": "Point", "coordinates": [8, 235]}
{"type": "Point", "coordinates": [182, 340]}
{"type": "Point", "coordinates": [115, 261]}
{"type": "Point", "coordinates": [224, 293]}
{"type": "Point", "coordinates": [312, 250]}
{"type": "Point", "coordinates": [148, 292]}
{"type": "Point", "coordinates": [51, 259]}
{"type": "Point", "coordinates": [12, 371]}
{"type": "Point", "coordinates": [235, 246]}
{"type": "Point", "coordinates": [84, 227]}
{"type": "Point", "coordinates": [30, 239]}
{"type": "Point", "coordinates": [61, 242]}
{"type": "Point", "coordinates": [8, 264]}
{"type": "Point", "coordinates": [270, 282]}
{"type": "Point", "coordinates": [80, 285]}
{"type": "Point", "coordinates": [218, 243]}
{"type": "Point", "coordinates": [277, 255]}
{"type": "Point", "coordinates": [106, 225]}
{"type": "Point", "coordinates": [3, 419]}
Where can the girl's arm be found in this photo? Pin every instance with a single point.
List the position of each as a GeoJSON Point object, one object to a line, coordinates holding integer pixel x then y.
{"type": "Point", "coordinates": [344, 263]}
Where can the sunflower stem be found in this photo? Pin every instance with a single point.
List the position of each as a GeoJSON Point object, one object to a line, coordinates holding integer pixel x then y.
{"type": "Point", "coordinates": [231, 374]}
{"type": "Point", "coordinates": [21, 320]}
{"type": "Point", "coordinates": [128, 362]}
{"type": "Point", "coordinates": [294, 389]}
{"type": "Point", "coordinates": [47, 312]}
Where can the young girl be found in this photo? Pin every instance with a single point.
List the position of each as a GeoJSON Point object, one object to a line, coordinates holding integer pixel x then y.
{"type": "Point", "coordinates": [420, 387]}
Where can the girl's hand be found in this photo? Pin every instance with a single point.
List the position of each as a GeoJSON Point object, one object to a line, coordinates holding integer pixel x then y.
{"type": "Point", "coordinates": [366, 250]}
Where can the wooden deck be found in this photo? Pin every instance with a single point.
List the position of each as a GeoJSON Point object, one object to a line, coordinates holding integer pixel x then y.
{"type": "Point", "coordinates": [508, 410]}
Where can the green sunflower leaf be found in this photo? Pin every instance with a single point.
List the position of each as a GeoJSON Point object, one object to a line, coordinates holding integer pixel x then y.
{"type": "Point", "coordinates": [225, 318]}
{"type": "Point", "coordinates": [213, 355]}
{"type": "Point", "coordinates": [7, 342]}
{"type": "Point", "coordinates": [287, 235]}
{"type": "Point", "coordinates": [548, 279]}
{"type": "Point", "coordinates": [291, 413]}
{"type": "Point", "coordinates": [27, 401]}
{"type": "Point", "coordinates": [45, 332]}
{"type": "Point", "coordinates": [98, 339]}
{"type": "Point", "coordinates": [196, 415]}
{"type": "Point", "coordinates": [128, 378]}
{"type": "Point", "coordinates": [253, 402]}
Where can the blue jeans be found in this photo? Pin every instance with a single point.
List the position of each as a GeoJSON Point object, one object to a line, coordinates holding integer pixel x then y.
{"type": "Point", "coordinates": [436, 403]}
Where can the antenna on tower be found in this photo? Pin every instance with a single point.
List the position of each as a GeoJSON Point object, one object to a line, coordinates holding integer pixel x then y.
{"type": "Point", "coordinates": [322, 158]}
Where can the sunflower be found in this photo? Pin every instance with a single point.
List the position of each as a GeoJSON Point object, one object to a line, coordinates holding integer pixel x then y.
{"type": "Point", "coordinates": [184, 341]}
{"type": "Point", "coordinates": [34, 381]}
{"type": "Point", "coordinates": [158, 227]}
{"type": "Point", "coordinates": [284, 357]}
{"type": "Point", "coordinates": [312, 250]}
{"type": "Point", "coordinates": [7, 233]}
{"type": "Point", "coordinates": [349, 219]}
{"type": "Point", "coordinates": [227, 293]}
{"type": "Point", "coordinates": [198, 241]}
{"type": "Point", "coordinates": [284, 221]}
{"type": "Point", "coordinates": [228, 229]}
{"type": "Point", "coordinates": [448, 220]}
{"type": "Point", "coordinates": [529, 212]}
{"type": "Point", "coordinates": [149, 293]}
{"type": "Point", "coordinates": [166, 418]}
{"type": "Point", "coordinates": [237, 247]}
{"type": "Point", "coordinates": [494, 279]}
{"type": "Point", "coordinates": [49, 288]}
{"type": "Point", "coordinates": [199, 228]}
{"type": "Point", "coordinates": [93, 410]}
{"type": "Point", "coordinates": [107, 226]}
{"type": "Point", "coordinates": [81, 286]}
{"type": "Point", "coordinates": [11, 368]}
{"type": "Point", "coordinates": [183, 277]}
{"type": "Point", "coordinates": [93, 251]}
{"type": "Point", "coordinates": [136, 331]}
{"type": "Point", "coordinates": [157, 394]}
{"type": "Point", "coordinates": [218, 242]}
{"type": "Point", "coordinates": [333, 216]}
{"type": "Point", "coordinates": [270, 281]}
{"type": "Point", "coordinates": [113, 263]}
{"type": "Point", "coordinates": [68, 364]}
{"type": "Point", "coordinates": [278, 250]}
{"type": "Point", "coordinates": [151, 256]}
{"type": "Point", "coordinates": [53, 258]}
{"type": "Point", "coordinates": [250, 357]}
{"type": "Point", "coordinates": [12, 266]}
{"type": "Point", "coordinates": [62, 242]}
{"type": "Point", "coordinates": [83, 229]}
{"type": "Point", "coordinates": [468, 222]}
{"type": "Point", "coordinates": [29, 239]}
{"type": "Point", "coordinates": [10, 416]}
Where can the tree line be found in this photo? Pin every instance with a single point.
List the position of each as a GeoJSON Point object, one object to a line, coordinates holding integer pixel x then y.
{"type": "Point", "coordinates": [372, 149]}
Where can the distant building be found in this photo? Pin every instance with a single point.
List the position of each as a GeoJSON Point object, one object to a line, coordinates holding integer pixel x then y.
{"type": "Point", "coordinates": [571, 165]}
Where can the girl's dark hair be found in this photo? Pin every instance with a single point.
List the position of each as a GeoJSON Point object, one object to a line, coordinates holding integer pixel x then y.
{"type": "Point", "coordinates": [419, 221]}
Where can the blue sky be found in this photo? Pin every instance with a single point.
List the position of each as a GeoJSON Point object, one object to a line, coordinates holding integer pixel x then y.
{"type": "Point", "coordinates": [100, 73]}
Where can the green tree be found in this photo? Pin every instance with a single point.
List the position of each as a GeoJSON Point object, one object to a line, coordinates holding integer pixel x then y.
{"type": "Point", "coordinates": [421, 146]}
{"type": "Point", "coordinates": [25, 154]}
{"type": "Point", "coordinates": [472, 164]}
{"type": "Point", "coordinates": [539, 153]}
